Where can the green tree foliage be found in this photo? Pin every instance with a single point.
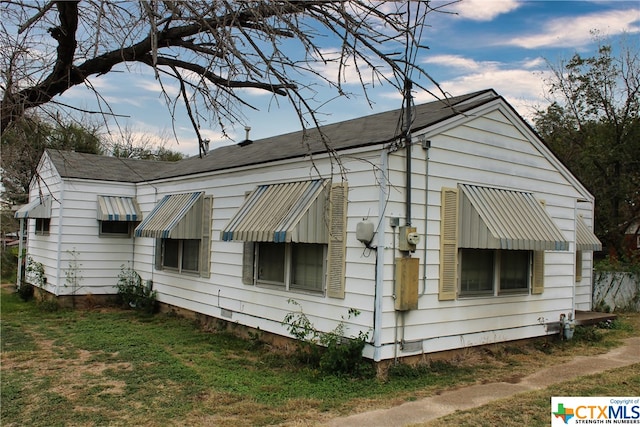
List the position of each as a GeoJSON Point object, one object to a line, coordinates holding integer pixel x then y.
{"type": "Point", "coordinates": [24, 143]}
{"type": "Point", "coordinates": [594, 128]}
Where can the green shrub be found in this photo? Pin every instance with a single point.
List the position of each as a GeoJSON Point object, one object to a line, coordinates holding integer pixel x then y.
{"type": "Point", "coordinates": [132, 293]}
{"type": "Point", "coordinates": [332, 352]}
{"type": "Point", "coordinates": [25, 291]}
{"type": "Point", "coordinates": [35, 276]}
{"type": "Point", "coordinates": [589, 334]}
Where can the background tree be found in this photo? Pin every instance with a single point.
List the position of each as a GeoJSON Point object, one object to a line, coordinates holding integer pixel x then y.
{"type": "Point", "coordinates": [212, 49]}
{"type": "Point", "coordinates": [138, 145]}
{"type": "Point", "coordinates": [24, 143]}
{"type": "Point", "coordinates": [594, 128]}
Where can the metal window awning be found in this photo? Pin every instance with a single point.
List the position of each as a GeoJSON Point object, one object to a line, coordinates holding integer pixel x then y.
{"type": "Point", "coordinates": [38, 208]}
{"type": "Point", "coordinates": [585, 239]}
{"type": "Point", "coordinates": [176, 216]}
{"type": "Point", "coordinates": [289, 212]}
{"type": "Point", "coordinates": [115, 208]}
{"type": "Point", "coordinates": [492, 218]}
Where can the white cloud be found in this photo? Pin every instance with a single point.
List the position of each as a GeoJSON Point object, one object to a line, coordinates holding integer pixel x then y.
{"type": "Point", "coordinates": [484, 10]}
{"type": "Point", "coordinates": [577, 31]}
{"type": "Point", "coordinates": [522, 84]}
{"type": "Point", "coordinates": [454, 61]}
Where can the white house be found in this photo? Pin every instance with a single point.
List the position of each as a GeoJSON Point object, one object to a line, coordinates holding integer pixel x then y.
{"type": "Point", "coordinates": [470, 232]}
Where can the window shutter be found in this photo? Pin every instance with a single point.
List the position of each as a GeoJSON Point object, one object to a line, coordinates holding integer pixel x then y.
{"type": "Point", "coordinates": [158, 254]}
{"type": "Point", "coordinates": [336, 250]}
{"type": "Point", "coordinates": [448, 245]}
{"type": "Point", "coordinates": [248, 257]}
{"type": "Point", "coordinates": [205, 242]}
{"type": "Point", "coordinates": [248, 253]}
{"type": "Point", "coordinates": [537, 281]}
{"type": "Point", "coordinates": [578, 266]}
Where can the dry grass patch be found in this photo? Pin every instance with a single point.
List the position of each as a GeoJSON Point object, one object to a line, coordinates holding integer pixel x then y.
{"type": "Point", "coordinates": [111, 367]}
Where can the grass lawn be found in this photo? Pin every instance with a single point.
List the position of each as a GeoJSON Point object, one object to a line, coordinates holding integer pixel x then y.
{"type": "Point", "coordinates": [113, 367]}
{"type": "Point", "coordinates": [532, 409]}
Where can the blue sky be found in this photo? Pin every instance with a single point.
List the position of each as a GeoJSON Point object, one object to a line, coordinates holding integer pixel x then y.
{"type": "Point", "coordinates": [499, 44]}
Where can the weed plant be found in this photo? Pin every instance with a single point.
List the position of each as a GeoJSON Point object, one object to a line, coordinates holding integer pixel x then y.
{"type": "Point", "coordinates": [114, 367]}
{"type": "Point", "coordinates": [132, 293]}
{"type": "Point", "coordinates": [332, 352]}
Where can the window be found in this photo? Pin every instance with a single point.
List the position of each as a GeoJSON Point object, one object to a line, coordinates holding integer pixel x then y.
{"type": "Point", "coordinates": [181, 254]}
{"type": "Point", "coordinates": [117, 215]}
{"type": "Point", "coordinates": [578, 265]}
{"type": "Point", "coordinates": [476, 273]}
{"type": "Point", "coordinates": [42, 226]}
{"type": "Point", "coordinates": [307, 266]}
{"type": "Point", "coordinates": [494, 272]}
{"type": "Point", "coordinates": [271, 263]}
{"type": "Point", "coordinates": [181, 227]}
{"type": "Point", "coordinates": [514, 271]}
{"type": "Point", "coordinates": [115, 228]}
{"type": "Point", "coordinates": [293, 266]}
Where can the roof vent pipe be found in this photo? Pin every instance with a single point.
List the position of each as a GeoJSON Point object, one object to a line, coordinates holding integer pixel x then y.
{"type": "Point", "coordinates": [247, 141]}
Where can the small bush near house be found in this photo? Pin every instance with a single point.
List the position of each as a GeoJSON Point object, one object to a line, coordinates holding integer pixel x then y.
{"type": "Point", "coordinates": [36, 278]}
{"type": "Point", "coordinates": [133, 293]}
{"type": "Point", "coordinates": [332, 352]}
{"type": "Point", "coordinates": [25, 292]}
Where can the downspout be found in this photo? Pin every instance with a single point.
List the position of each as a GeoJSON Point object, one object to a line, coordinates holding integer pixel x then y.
{"type": "Point", "coordinates": [20, 253]}
{"type": "Point", "coordinates": [60, 221]}
{"type": "Point", "coordinates": [575, 244]}
{"type": "Point", "coordinates": [379, 285]}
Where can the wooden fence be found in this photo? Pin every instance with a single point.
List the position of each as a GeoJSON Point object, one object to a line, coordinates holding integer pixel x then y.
{"type": "Point", "coordinates": [616, 291]}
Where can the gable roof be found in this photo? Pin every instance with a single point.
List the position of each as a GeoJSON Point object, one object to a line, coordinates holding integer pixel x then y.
{"type": "Point", "coordinates": [70, 164]}
{"type": "Point", "coordinates": [374, 129]}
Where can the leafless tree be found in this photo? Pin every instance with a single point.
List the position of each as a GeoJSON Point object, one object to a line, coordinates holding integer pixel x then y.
{"type": "Point", "coordinates": [212, 49]}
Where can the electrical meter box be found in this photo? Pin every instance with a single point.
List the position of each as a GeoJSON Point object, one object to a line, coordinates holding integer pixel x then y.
{"type": "Point", "coordinates": [408, 238]}
{"type": "Point", "coordinates": [406, 285]}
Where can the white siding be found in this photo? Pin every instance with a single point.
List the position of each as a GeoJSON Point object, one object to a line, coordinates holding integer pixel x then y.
{"type": "Point", "coordinates": [266, 307]}
{"type": "Point", "coordinates": [74, 236]}
{"type": "Point", "coordinates": [491, 148]}
{"type": "Point", "coordinates": [486, 150]}
{"type": "Point", "coordinates": [44, 248]}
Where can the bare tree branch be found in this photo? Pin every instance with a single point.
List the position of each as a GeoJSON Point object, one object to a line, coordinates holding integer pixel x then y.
{"type": "Point", "coordinates": [211, 49]}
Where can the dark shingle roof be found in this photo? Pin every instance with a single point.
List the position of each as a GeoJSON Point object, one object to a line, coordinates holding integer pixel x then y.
{"type": "Point", "coordinates": [70, 164]}
{"type": "Point", "coordinates": [369, 130]}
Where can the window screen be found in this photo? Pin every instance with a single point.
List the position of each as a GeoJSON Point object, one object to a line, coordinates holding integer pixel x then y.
{"type": "Point", "coordinates": [307, 262]}
{"type": "Point", "coordinates": [271, 262]}
{"type": "Point", "coordinates": [190, 254]}
{"type": "Point", "coordinates": [171, 252]}
{"type": "Point", "coordinates": [514, 270]}
{"type": "Point", "coordinates": [476, 273]}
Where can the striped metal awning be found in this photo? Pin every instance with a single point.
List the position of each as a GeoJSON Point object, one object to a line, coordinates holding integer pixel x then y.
{"type": "Point", "coordinates": [585, 239]}
{"type": "Point", "coordinates": [492, 218]}
{"type": "Point", "coordinates": [38, 208]}
{"type": "Point", "coordinates": [176, 216]}
{"type": "Point", "coordinates": [115, 208]}
{"type": "Point", "coordinates": [289, 212]}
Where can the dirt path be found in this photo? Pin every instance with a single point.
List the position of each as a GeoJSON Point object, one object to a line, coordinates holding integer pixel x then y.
{"type": "Point", "coordinates": [431, 408]}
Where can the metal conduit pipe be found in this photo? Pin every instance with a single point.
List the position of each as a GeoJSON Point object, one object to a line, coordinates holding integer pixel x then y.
{"type": "Point", "coordinates": [379, 276]}
{"type": "Point", "coordinates": [407, 130]}
{"type": "Point", "coordinates": [426, 144]}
